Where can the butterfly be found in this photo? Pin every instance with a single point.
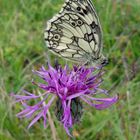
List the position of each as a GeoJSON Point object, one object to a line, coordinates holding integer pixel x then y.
{"type": "Point", "coordinates": [75, 33]}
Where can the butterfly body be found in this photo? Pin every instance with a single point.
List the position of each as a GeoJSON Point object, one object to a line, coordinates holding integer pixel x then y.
{"type": "Point", "coordinates": [75, 33]}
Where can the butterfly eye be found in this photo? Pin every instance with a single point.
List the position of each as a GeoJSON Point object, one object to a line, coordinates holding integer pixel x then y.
{"type": "Point", "coordinates": [79, 22]}
{"type": "Point", "coordinates": [104, 62]}
{"type": "Point", "coordinates": [56, 37]}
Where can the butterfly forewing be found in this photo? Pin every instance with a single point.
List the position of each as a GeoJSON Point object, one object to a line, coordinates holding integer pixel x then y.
{"type": "Point", "coordinates": [75, 33]}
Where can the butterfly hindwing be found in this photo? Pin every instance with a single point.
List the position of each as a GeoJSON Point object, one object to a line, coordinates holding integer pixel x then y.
{"type": "Point", "coordinates": [62, 37]}
{"type": "Point", "coordinates": [75, 33]}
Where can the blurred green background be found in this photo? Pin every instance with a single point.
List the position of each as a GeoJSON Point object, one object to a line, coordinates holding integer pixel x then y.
{"type": "Point", "coordinates": [22, 48]}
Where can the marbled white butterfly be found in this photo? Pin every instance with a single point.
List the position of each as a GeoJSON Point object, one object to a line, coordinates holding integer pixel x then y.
{"type": "Point", "coordinates": [75, 33]}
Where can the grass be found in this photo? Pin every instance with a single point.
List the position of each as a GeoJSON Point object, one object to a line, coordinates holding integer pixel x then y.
{"type": "Point", "coordinates": [22, 48]}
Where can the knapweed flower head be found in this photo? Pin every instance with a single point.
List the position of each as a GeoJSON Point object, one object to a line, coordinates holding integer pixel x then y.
{"type": "Point", "coordinates": [70, 87]}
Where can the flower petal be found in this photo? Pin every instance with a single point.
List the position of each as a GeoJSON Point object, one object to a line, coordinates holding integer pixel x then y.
{"type": "Point", "coordinates": [103, 102]}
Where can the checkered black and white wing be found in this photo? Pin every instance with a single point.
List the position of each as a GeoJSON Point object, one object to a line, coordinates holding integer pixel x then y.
{"type": "Point", "coordinates": [75, 32]}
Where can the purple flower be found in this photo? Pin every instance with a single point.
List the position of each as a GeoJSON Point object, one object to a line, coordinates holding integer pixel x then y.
{"type": "Point", "coordinates": [69, 86]}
